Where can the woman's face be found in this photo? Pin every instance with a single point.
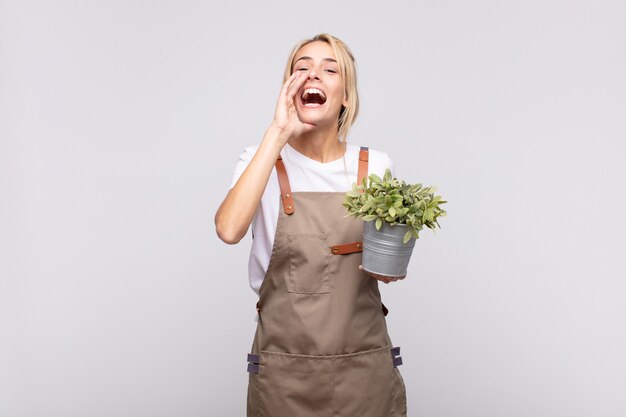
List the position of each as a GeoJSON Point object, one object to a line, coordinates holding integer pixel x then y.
{"type": "Point", "coordinates": [321, 96]}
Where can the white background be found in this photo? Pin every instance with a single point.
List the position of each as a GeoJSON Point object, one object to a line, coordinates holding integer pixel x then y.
{"type": "Point", "coordinates": [120, 125]}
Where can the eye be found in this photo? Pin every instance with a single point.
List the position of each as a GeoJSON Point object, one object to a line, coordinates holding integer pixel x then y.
{"type": "Point", "coordinates": [331, 70]}
{"type": "Point", "coordinates": [302, 69]}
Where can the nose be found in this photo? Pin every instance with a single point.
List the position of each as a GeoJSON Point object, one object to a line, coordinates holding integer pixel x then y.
{"type": "Point", "coordinates": [313, 74]}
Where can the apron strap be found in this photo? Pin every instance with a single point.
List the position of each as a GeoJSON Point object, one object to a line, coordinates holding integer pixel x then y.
{"type": "Point", "coordinates": [285, 188]}
{"type": "Point", "coordinates": [363, 162]}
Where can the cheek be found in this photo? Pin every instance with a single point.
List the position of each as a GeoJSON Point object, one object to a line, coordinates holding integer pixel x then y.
{"type": "Point", "coordinates": [338, 91]}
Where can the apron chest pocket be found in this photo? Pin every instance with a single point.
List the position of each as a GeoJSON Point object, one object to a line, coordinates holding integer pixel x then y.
{"type": "Point", "coordinates": [309, 263]}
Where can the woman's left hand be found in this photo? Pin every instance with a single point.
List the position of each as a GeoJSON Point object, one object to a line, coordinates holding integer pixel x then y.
{"type": "Point", "coordinates": [384, 278]}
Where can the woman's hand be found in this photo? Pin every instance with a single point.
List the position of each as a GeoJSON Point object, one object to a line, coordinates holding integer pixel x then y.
{"type": "Point", "coordinates": [235, 214]}
{"type": "Point", "coordinates": [286, 118]}
{"type": "Point", "coordinates": [384, 278]}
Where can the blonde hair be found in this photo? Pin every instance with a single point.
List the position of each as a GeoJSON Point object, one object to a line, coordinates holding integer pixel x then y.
{"type": "Point", "coordinates": [347, 70]}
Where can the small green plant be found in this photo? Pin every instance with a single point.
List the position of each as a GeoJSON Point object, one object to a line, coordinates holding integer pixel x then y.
{"type": "Point", "coordinates": [395, 202]}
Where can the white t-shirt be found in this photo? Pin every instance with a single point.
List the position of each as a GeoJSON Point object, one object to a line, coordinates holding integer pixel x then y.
{"type": "Point", "coordinates": [305, 174]}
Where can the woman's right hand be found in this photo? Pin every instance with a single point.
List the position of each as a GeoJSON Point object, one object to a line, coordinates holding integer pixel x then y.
{"type": "Point", "coordinates": [286, 118]}
{"type": "Point", "coordinates": [238, 208]}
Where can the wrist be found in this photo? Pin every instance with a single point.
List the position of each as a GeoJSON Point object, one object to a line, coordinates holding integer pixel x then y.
{"type": "Point", "coordinates": [277, 134]}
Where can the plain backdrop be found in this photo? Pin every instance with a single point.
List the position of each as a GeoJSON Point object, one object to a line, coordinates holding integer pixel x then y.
{"type": "Point", "coordinates": [120, 126]}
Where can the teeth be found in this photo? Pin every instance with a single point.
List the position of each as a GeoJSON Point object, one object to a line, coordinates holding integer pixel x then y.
{"type": "Point", "coordinates": [308, 91]}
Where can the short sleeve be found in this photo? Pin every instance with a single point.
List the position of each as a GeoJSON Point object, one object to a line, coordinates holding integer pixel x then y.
{"type": "Point", "coordinates": [242, 163]}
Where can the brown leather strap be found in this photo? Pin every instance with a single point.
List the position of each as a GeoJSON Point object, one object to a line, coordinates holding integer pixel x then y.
{"type": "Point", "coordinates": [285, 188]}
{"type": "Point", "coordinates": [363, 162]}
{"type": "Point", "coordinates": [347, 248]}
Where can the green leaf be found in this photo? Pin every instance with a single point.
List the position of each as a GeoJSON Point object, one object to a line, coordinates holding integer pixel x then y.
{"type": "Point", "coordinates": [375, 178]}
{"type": "Point", "coordinates": [407, 237]}
{"type": "Point", "coordinates": [369, 217]}
{"type": "Point", "coordinates": [428, 214]}
{"type": "Point", "coordinates": [379, 223]}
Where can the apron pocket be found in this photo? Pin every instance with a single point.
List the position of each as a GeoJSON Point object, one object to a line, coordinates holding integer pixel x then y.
{"type": "Point", "coordinates": [367, 385]}
{"type": "Point", "coordinates": [294, 386]}
{"type": "Point", "coordinates": [309, 260]}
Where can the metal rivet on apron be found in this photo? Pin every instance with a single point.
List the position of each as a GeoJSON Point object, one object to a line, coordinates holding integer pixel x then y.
{"type": "Point", "coordinates": [335, 249]}
{"type": "Point", "coordinates": [287, 195]}
{"type": "Point", "coordinates": [358, 245]}
{"type": "Point", "coordinates": [288, 207]}
{"type": "Point", "coordinates": [253, 363]}
{"type": "Point", "coordinates": [397, 361]}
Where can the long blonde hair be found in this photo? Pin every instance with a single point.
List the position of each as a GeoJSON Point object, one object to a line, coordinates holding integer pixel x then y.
{"type": "Point", "coordinates": [347, 70]}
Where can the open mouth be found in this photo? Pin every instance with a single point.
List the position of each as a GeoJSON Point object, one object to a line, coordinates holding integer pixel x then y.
{"type": "Point", "coordinates": [313, 97]}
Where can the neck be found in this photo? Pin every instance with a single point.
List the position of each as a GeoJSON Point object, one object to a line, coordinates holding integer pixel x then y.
{"type": "Point", "coordinates": [321, 146]}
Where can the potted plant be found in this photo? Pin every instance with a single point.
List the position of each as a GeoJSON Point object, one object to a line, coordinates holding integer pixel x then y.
{"type": "Point", "coordinates": [394, 213]}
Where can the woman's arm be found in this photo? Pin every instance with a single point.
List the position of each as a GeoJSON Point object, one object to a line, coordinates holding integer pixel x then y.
{"type": "Point", "coordinates": [238, 208]}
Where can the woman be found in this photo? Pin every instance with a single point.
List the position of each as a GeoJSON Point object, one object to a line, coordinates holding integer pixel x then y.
{"type": "Point", "coordinates": [321, 346]}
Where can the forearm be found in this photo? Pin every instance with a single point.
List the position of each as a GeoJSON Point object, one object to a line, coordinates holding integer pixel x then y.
{"type": "Point", "coordinates": [238, 208]}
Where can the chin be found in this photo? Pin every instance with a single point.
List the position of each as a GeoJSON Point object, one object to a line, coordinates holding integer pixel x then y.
{"type": "Point", "coordinates": [316, 118]}
{"type": "Point", "coordinates": [307, 117]}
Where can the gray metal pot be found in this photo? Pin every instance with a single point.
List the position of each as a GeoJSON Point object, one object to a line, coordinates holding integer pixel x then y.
{"type": "Point", "coordinates": [383, 250]}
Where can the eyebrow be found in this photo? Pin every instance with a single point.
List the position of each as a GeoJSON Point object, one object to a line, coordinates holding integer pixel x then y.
{"type": "Point", "coordinates": [310, 59]}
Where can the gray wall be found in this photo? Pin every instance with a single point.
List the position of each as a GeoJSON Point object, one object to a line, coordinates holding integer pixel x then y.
{"type": "Point", "coordinates": [120, 125]}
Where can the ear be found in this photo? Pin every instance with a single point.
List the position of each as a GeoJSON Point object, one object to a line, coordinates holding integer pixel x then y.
{"type": "Point", "coordinates": [345, 100]}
